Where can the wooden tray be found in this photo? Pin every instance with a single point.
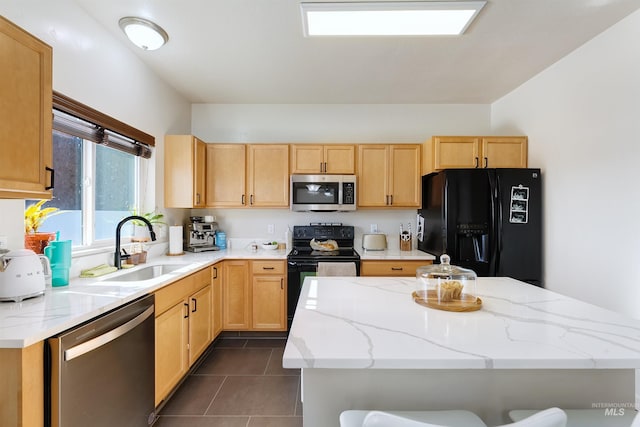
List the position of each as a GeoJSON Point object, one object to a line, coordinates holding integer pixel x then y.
{"type": "Point", "coordinates": [430, 299]}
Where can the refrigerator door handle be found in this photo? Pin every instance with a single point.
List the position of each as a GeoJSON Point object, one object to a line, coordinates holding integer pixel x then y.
{"type": "Point", "coordinates": [500, 203]}
{"type": "Point", "coordinates": [493, 196]}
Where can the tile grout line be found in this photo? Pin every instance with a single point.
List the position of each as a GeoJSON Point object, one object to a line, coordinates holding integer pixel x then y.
{"type": "Point", "coordinates": [216, 394]}
{"type": "Point", "coordinates": [266, 368]}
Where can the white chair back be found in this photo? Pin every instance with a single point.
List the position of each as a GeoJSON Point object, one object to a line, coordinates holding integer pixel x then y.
{"type": "Point", "coordinates": [384, 419]}
{"type": "Point", "coordinates": [552, 417]}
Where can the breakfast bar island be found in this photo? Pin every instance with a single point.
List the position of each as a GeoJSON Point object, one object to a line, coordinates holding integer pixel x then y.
{"type": "Point", "coordinates": [363, 343]}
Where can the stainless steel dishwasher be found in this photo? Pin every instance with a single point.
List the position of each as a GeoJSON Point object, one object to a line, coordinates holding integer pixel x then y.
{"type": "Point", "coordinates": [102, 372]}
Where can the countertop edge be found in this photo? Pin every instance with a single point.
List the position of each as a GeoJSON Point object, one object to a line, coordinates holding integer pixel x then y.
{"type": "Point", "coordinates": [128, 293]}
{"type": "Point", "coordinates": [193, 262]}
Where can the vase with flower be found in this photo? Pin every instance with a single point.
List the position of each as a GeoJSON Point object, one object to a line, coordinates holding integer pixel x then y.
{"type": "Point", "coordinates": [34, 217]}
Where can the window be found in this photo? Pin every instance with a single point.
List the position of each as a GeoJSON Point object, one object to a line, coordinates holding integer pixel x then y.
{"type": "Point", "coordinates": [97, 175]}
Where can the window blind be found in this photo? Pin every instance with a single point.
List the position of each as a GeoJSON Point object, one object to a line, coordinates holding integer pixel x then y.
{"type": "Point", "coordinates": [74, 118]}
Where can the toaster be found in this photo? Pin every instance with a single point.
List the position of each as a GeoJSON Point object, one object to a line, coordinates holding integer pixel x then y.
{"type": "Point", "coordinates": [374, 242]}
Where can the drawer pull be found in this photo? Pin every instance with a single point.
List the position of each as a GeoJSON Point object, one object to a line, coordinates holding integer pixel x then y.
{"type": "Point", "coordinates": [396, 268]}
{"type": "Point", "coordinates": [268, 268]}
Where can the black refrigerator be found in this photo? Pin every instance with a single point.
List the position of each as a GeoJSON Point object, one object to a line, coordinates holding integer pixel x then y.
{"type": "Point", "coordinates": [488, 220]}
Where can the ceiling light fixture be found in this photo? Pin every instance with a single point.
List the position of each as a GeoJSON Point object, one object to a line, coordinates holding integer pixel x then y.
{"type": "Point", "coordinates": [411, 18]}
{"type": "Point", "coordinates": [143, 33]}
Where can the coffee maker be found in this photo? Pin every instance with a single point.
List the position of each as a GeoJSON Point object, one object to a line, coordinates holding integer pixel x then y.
{"type": "Point", "coordinates": [200, 236]}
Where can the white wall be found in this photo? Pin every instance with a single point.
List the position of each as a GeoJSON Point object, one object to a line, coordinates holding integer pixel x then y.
{"type": "Point", "coordinates": [91, 66]}
{"type": "Point", "coordinates": [322, 123]}
{"type": "Point", "coordinates": [349, 123]}
{"type": "Point", "coordinates": [582, 118]}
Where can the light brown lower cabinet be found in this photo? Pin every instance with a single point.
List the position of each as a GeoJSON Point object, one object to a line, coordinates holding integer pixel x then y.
{"type": "Point", "coordinates": [402, 268]}
{"type": "Point", "coordinates": [268, 296]}
{"type": "Point", "coordinates": [254, 295]}
{"type": "Point", "coordinates": [216, 284]}
{"type": "Point", "coordinates": [21, 393]}
{"type": "Point", "coordinates": [235, 295]}
{"type": "Point", "coordinates": [183, 328]}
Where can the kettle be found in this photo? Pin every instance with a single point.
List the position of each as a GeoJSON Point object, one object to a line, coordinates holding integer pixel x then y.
{"type": "Point", "coordinates": [23, 274]}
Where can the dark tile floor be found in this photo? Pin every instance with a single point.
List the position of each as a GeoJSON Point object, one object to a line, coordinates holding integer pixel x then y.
{"type": "Point", "coordinates": [240, 383]}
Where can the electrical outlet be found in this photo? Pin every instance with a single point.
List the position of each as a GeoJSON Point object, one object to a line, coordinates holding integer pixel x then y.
{"type": "Point", "coordinates": [271, 229]}
{"type": "Point", "coordinates": [4, 242]}
{"type": "Point", "coordinates": [374, 228]}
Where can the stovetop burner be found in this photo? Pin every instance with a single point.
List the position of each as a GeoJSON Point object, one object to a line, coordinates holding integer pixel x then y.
{"type": "Point", "coordinates": [342, 234]}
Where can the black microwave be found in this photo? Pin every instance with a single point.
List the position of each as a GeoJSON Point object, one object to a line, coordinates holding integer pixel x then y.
{"type": "Point", "coordinates": [317, 193]}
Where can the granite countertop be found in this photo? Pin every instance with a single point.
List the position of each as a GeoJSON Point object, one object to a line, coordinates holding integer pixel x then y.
{"type": "Point", "coordinates": [373, 323]}
{"type": "Point", "coordinates": [61, 308]}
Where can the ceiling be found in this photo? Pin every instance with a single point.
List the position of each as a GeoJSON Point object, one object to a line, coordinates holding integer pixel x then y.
{"type": "Point", "coordinates": [254, 52]}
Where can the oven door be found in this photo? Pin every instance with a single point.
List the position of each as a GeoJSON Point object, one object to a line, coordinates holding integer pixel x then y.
{"type": "Point", "coordinates": [296, 273]}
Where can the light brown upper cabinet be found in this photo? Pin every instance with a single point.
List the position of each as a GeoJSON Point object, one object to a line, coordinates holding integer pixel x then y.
{"type": "Point", "coordinates": [226, 172]}
{"type": "Point", "coordinates": [254, 175]}
{"type": "Point", "coordinates": [26, 163]}
{"type": "Point", "coordinates": [316, 159]}
{"type": "Point", "coordinates": [389, 175]}
{"type": "Point", "coordinates": [450, 152]}
{"type": "Point", "coordinates": [184, 171]}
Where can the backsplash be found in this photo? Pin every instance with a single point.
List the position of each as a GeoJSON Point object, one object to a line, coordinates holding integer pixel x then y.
{"type": "Point", "coordinates": [254, 224]}
{"type": "Point", "coordinates": [241, 225]}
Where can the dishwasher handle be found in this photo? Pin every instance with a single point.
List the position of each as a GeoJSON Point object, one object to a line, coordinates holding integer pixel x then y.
{"type": "Point", "coordinates": [106, 338]}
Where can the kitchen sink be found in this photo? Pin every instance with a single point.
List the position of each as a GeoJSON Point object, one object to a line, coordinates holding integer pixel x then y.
{"type": "Point", "coordinates": [146, 273]}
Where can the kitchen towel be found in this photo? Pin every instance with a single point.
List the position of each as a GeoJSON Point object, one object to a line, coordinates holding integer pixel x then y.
{"type": "Point", "coordinates": [175, 240]}
{"type": "Point", "coordinates": [337, 269]}
{"type": "Point", "coordinates": [100, 270]}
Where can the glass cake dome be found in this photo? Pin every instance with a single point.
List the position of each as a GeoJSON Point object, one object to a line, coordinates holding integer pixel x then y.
{"type": "Point", "coordinates": [444, 285]}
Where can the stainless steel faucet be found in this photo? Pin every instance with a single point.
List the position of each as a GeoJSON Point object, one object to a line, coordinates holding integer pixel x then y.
{"type": "Point", "coordinates": [117, 261]}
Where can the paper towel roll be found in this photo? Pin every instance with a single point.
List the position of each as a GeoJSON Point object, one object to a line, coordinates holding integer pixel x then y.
{"type": "Point", "coordinates": [175, 240]}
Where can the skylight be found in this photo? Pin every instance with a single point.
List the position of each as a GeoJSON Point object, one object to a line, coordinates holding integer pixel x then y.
{"type": "Point", "coordinates": [418, 18]}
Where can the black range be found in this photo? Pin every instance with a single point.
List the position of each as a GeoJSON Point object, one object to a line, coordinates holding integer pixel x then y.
{"type": "Point", "coordinates": [302, 261]}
